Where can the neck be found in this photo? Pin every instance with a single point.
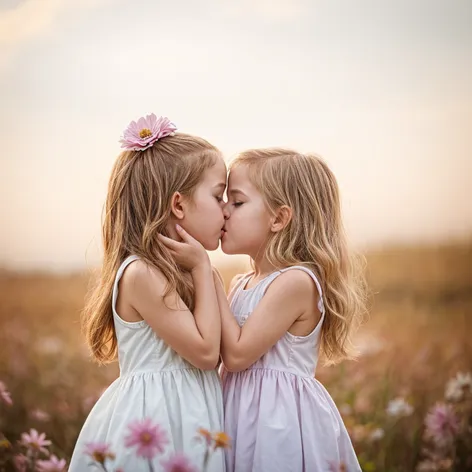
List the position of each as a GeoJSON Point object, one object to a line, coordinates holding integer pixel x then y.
{"type": "Point", "coordinates": [262, 267]}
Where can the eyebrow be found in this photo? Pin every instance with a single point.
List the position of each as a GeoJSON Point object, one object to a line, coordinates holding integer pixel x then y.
{"type": "Point", "coordinates": [237, 191]}
{"type": "Point", "coordinates": [220, 185]}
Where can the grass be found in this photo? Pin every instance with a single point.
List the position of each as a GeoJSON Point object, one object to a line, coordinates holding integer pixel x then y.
{"type": "Point", "coordinates": [416, 338]}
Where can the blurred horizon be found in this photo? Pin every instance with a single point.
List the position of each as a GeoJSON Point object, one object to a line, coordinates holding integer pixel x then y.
{"type": "Point", "coordinates": [241, 263]}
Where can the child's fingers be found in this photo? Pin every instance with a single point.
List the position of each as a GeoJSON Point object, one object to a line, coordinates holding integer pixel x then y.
{"type": "Point", "coordinates": [168, 242]}
{"type": "Point", "coordinates": [184, 235]}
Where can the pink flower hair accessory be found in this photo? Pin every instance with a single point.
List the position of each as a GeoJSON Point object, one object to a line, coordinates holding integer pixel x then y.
{"type": "Point", "coordinates": [142, 134]}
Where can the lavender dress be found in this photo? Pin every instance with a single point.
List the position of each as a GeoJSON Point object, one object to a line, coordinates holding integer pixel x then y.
{"type": "Point", "coordinates": [280, 418]}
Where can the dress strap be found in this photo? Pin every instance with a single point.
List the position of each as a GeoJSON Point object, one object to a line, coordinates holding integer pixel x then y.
{"type": "Point", "coordinates": [119, 274]}
{"type": "Point", "coordinates": [238, 286]}
{"type": "Point", "coordinates": [311, 274]}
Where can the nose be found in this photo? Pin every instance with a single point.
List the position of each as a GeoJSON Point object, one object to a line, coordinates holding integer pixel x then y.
{"type": "Point", "coordinates": [226, 211]}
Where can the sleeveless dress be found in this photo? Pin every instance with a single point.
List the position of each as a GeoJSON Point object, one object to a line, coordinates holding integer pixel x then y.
{"type": "Point", "coordinates": [156, 383]}
{"type": "Point", "coordinates": [280, 418]}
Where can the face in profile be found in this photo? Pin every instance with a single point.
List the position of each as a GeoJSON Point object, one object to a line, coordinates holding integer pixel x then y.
{"type": "Point", "coordinates": [203, 216]}
{"type": "Point", "coordinates": [247, 225]}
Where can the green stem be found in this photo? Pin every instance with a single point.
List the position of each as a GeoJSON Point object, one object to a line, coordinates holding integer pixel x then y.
{"type": "Point", "coordinates": [206, 459]}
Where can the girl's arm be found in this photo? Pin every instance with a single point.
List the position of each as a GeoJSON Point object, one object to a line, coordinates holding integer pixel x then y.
{"type": "Point", "coordinates": [289, 296]}
{"type": "Point", "coordinates": [195, 336]}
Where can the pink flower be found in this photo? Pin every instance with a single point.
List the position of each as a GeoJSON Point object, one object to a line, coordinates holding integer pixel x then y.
{"type": "Point", "coordinates": [150, 438]}
{"type": "Point", "coordinates": [5, 395]}
{"type": "Point", "coordinates": [52, 465]}
{"type": "Point", "coordinates": [142, 134]}
{"type": "Point", "coordinates": [178, 463]}
{"type": "Point", "coordinates": [35, 441]}
{"type": "Point", "coordinates": [441, 424]}
{"type": "Point", "coordinates": [434, 465]}
{"type": "Point", "coordinates": [99, 452]}
{"type": "Point", "coordinates": [337, 467]}
{"type": "Point", "coordinates": [20, 462]}
{"type": "Point", "coordinates": [40, 415]}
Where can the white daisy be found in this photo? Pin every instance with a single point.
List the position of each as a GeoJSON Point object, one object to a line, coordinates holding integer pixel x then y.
{"type": "Point", "coordinates": [459, 387]}
{"type": "Point", "coordinates": [399, 407]}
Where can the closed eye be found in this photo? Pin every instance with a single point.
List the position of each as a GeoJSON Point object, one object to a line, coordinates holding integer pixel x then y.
{"type": "Point", "coordinates": [237, 204]}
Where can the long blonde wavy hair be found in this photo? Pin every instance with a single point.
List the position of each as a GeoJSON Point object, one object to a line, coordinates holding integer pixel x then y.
{"type": "Point", "coordinates": [137, 208]}
{"type": "Point", "coordinates": [314, 237]}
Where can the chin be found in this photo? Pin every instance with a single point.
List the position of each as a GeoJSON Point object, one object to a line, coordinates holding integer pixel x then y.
{"type": "Point", "coordinates": [211, 245]}
{"type": "Point", "coordinates": [227, 249]}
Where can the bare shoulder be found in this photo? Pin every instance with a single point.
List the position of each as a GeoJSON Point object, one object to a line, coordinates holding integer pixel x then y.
{"type": "Point", "coordinates": [141, 278]}
{"type": "Point", "coordinates": [145, 289]}
{"type": "Point", "coordinates": [140, 284]}
{"type": "Point", "coordinates": [295, 284]}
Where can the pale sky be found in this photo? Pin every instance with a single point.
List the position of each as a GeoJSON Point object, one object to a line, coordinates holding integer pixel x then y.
{"type": "Point", "coordinates": [381, 89]}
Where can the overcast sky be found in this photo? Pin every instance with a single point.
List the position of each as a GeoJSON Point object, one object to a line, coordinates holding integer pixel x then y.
{"type": "Point", "coordinates": [382, 90]}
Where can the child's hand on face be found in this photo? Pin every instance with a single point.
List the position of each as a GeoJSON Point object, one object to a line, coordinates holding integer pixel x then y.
{"type": "Point", "coordinates": [189, 254]}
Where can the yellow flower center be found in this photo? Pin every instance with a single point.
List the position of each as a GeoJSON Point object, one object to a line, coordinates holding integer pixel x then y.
{"type": "Point", "coordinates": [145, 133]}
{"type": "Point", "coordinates": [99, 457]}
{"type": "Point", "coordinates": [146, 438]}
{"type": "Point", "coordinates": [5, 444]}
{"type": "Point", "coordinates": [221, 440]}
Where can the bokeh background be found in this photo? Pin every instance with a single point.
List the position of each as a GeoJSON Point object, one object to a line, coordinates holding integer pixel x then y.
{"type": "Point", "coordinates": [382, 90]}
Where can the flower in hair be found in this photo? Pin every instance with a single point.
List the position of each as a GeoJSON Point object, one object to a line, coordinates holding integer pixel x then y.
{"type": "Point", "coordinates": [142, 134]}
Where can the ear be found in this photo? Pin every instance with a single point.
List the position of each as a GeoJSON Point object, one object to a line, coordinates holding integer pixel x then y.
{"type": "Point", "coordinates": [177, 205]}
{"type": "Point", "coordinates": [281, 219]}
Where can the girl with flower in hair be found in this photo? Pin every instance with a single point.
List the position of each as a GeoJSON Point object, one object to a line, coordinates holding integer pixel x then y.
{"type": "Point", "coordinates": [305, 295]}
{"type": "Point", "coordinates": [162, 322]}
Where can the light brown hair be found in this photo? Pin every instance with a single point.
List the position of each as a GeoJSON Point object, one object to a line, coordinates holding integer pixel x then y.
{"type": "Point", "coordinates": [314, 237]}
{"type": "Point", "coordinates": [137, 208]}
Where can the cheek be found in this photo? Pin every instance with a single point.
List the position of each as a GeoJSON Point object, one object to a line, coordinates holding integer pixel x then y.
{"type": "Point", "coordinates": [212, 212]}
{"type": "Point", "coordinates": [206, 206]}
{"type": "Point", "coordinates": [249, 215]}
{"type": "Point", "coordinates": [250, 222]}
